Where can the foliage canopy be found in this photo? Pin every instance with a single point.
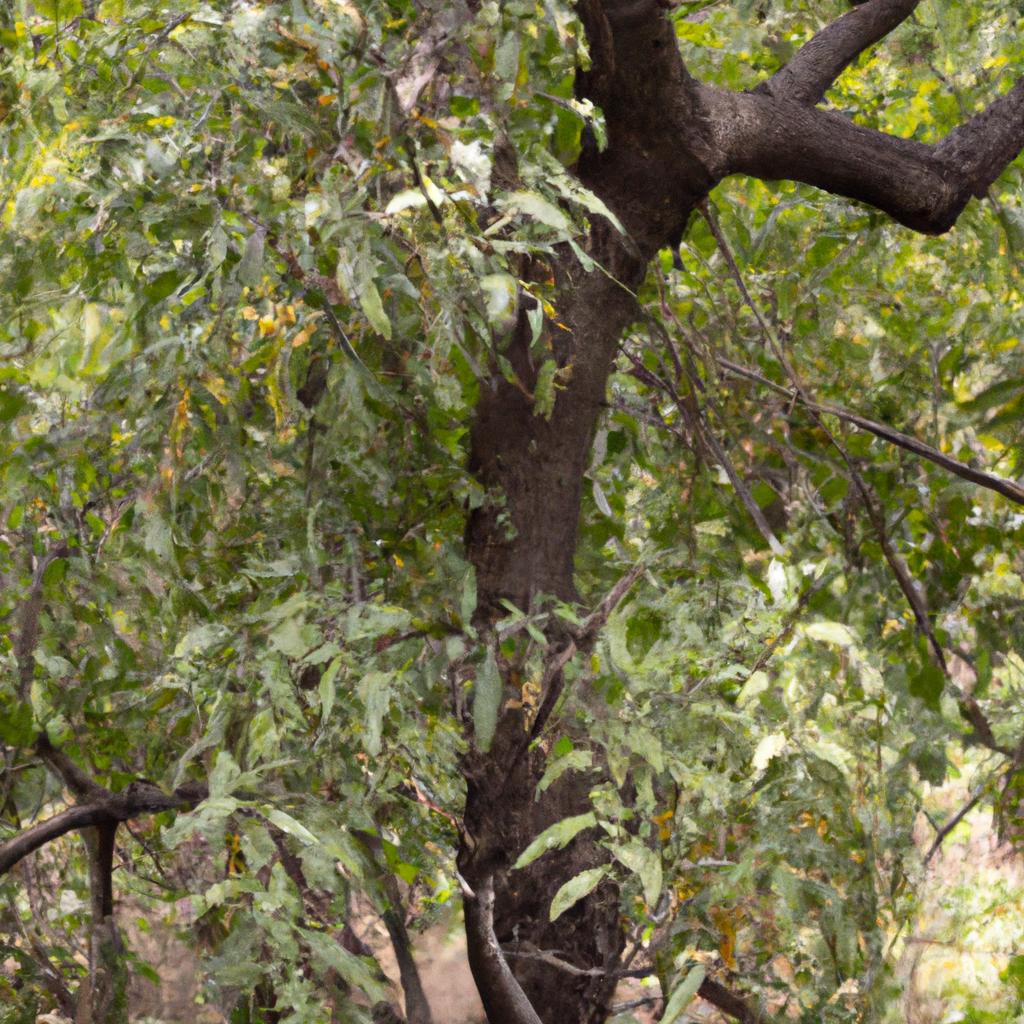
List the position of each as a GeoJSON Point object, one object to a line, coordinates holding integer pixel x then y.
{"type": "Point", "coordinates": [258, 261]}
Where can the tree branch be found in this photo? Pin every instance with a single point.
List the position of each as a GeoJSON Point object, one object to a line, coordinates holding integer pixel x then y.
{"type": "Point", "coordinates": [138, 799]}
{"type": "Point", "coordinates": [503, 998]}
{"type": "Point", "coordinates": [28, 632]}
{"type": "Point", "coordinates": [942, 833]}
{"type": "Point", "coordinates": [923, 187]}
{"type": "Point", "coordinates": [816, 65]}
{"type": "Point", "coordinates": [728, 1002]}
{"type": "Point", "coordinates": [417, 1006]}
{"type": "Point", "coordinates": [969, 707]}
{"type": "Point", "coordinates": [1007, 488]}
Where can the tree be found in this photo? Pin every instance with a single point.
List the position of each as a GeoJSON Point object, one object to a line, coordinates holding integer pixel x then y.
{"type": "Point", "coordinates": [368, 431]}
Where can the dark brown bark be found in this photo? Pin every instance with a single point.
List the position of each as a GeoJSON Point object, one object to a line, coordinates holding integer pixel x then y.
{"type": "Point", "coordinates": [138, 799]}
{"type": "Point", "coordinates": [523, 542]}
{"type": "Point", "coordinates": [670, 140]}
{"type": "Point", "coordinates": [818, 64]}
{"type": "Point", "coordinates": [102, 997]}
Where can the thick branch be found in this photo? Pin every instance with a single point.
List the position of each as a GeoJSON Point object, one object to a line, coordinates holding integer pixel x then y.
{"type": "Point", "coordinates": [31, 839]}
{"type": "Point", "coordinates": [820, 62]}
{"type": "Point", "coordinates": [138, 799]}
{"type": "Point", "coordinates": [503, 998]}
{"type": "Point", "coordinates": [924, 187]}
{"type": "Point", "coordinates": [76, 780]}
{"type": "Point", "coordinates": [730, 1003]}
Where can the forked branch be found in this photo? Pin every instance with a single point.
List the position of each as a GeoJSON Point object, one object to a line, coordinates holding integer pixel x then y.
{"type": "Point", "coordinates": [817, 64]}
{"type": "Point", "coordinates": [923, 187]}
{"type": "Point", "coordinates": [138, 799]}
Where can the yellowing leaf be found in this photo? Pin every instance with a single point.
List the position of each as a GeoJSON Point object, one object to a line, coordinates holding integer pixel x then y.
{"type": "Point", "coordinates": [769, 747]}
{"type": "Point", "coordinates": [725, 922]}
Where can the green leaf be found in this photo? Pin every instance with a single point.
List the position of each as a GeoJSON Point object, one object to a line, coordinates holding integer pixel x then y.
{"type": "Point", "coordinates": [556, 837]}
{"type": "Point", "coordinates": [534, 205]}
{"type": "Point", "coordinates": [487, 693]}
{"type": "Point", "coordinates": [831, 633]}
{"type": "Point", "coordinates": [250, 267]}
{"type": "Point", "coordinates": [326, 688]}
{"type": "Point", "coordinates": [644, 862]}
{"type": "Point", "coordinates": [500, 297]}
{"type": "Point", "coordinates": [375, 689]}
{"type": "Point", "coordinates": [544, 390]}
{"type": "Point", "coordinates": [369, 299]}
{"type": "Point", "coordinates": [355, 971]}
{"type": "Point", "coordinates": [682, 995]}
{"type": "Point", "coordinates": [570, 760]}
{"type": "Point", "coordinates": [575, 889]}
{"type": "Point", "coordinates": [17, 726]}
{"type": "Point", "coordinates": [290, 638]}
{"type": "Point", "coordinates": [928, 685]}
{"type": "Point", "coordinates": [11, 404]}
{"type": "Point", "coordinates": [467, 603]}
{"type": "Point", "coordinates": [163, 285]}
{"type": "Point", "coordinates": [286, 823]}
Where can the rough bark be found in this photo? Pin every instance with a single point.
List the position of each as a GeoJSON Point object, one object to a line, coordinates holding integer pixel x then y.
{"type": "Point", "coordinates": [523, 542]}
{"type": "Point", "coordinates": [818, 64]}
{"type": "Point", "coordinates": [670, 140]}
{"type": "Point", "coordinates": [106, 809]}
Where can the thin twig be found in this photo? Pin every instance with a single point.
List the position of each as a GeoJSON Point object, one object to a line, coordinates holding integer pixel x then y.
{"type": "Point", "coordinates": [969, 707]}
{"type": "Point", "coordinates": [1007, 488]}
{"type": "Point", "coordinates": [943, 832]}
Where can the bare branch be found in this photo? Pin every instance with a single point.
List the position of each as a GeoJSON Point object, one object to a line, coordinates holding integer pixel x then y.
{"type": "Point", "coordinates": [503, 998]}
{"type": "Point", "coordinates": [1000, 485]}
{"type": "Point", "coordinates": [545, 956]}
{"type": "Point", "coordinates": [816, 65]}
{"type": "Point", "coordinates": [553, 680]}
{"type": "Point", "coordinates": [28, 632]}
{"type": "Point", "coordinates": [914, 594]}
{"type": "Point", "coordinates": [138, 799]}
{"type": "Point", "coordinates": [942, 833]}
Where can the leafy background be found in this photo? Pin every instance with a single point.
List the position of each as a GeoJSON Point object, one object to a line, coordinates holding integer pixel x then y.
{"type": "Point", "coordinates": [249, 295]}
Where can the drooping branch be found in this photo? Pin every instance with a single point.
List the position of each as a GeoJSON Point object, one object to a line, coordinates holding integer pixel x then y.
{"type": "Point", "coordinates": [923, 187]}
{"type": "Point", "coordinates": [1007, 488]}
{"type": "Point", "coordinates": [817, 64]}
{"type": "Point", "coordinates": [914, 594]}
{"type": "Point", "coordinates": [138, 799]}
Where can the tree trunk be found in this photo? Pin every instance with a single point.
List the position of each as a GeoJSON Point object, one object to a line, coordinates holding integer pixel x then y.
{"type": "Point", "coordinates": [670, 140]}
{"type": "Point", "coordinates": [523, 541]}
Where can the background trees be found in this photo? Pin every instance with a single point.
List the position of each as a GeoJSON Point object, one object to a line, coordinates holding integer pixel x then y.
{"type": "Point", "coordinates": [384, 481]}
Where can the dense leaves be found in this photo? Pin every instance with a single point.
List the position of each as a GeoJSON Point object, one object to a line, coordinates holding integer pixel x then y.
{"type": "Point", "coordinates": [257, 259]}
